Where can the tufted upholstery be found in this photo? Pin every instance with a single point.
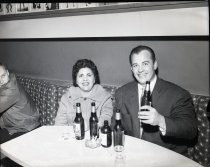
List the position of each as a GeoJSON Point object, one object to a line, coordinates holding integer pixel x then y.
{"type": "Point", "coordinates": [201, 151]}
{"type": "Point", "coordinates": [46, 97]}
{"type": "Point", "coordinates": [62, 90]}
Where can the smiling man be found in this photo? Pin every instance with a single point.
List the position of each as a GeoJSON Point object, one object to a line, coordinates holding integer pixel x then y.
{"type": "Point", "coordinates": [171, 120]}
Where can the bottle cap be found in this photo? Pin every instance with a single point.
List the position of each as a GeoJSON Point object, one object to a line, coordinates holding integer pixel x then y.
{"type": "Point", "coordinates": [78, 104]}
{"type": "Point", "coordinates": [93, 104]}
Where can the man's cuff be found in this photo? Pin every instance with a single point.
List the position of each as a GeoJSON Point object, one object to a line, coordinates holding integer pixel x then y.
{"type": "Point", "coordinates": [162, 125]}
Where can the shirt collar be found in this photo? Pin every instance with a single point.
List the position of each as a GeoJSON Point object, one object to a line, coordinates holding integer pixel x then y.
{"type": "Point", "coordinates": [152, 84]}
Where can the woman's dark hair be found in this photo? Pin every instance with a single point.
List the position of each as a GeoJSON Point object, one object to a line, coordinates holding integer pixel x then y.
{"type": "Point", "coordinates": [85, 63]}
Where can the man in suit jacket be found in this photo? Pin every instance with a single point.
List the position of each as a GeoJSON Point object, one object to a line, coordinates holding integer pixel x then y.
{"type": "Point", "coordinates": [18, 114]}
{"type": "Point", "coordinates": [170, 121]}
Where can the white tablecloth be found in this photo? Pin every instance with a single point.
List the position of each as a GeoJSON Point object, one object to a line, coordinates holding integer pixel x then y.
{"type": "Point", "coordinates": [46, 147]}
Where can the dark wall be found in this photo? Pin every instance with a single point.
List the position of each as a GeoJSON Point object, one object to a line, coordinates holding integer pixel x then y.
{"type": "Point", "coordinates": [184, 62]}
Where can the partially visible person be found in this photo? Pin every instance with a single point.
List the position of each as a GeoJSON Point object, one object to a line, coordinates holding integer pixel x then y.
{"type": "Point", "coordinates": [18, 114]}
{"type": "Point", "coordinates": [86, 89]}
{"type": "Point", "coordinates": [170, 121]}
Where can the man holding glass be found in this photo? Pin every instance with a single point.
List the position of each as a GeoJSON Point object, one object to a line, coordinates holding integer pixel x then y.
{"type": "Point", "coordinates": [170, 120]}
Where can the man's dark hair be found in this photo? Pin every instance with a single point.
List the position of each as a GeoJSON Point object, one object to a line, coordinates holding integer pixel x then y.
{"type": "Point", "coordinates": [3, 65]}
{"type": "Point", "coordinates": [85, 63]}
{"type": "Point", "coordinates": [141, 48]}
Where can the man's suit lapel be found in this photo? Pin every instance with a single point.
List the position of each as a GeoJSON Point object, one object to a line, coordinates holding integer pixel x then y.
{"type": "Point", "coordinates": [157, 91]}
{"type": "Point", "coordinates": [134, 104]}
{"type": "Point", "coordinates": [133, 100]}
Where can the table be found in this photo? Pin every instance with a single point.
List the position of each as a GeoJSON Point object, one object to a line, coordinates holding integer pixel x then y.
{"type": "Point", "coordinates": [45, 147]}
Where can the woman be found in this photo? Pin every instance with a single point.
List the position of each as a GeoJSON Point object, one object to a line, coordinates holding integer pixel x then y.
{"type": "Point", "coordinates": [86, 89]}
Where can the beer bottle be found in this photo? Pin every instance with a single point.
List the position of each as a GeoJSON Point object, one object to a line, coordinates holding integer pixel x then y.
{"type": "Point", "coordinates": [119, 137]}
{"type": "Point", "coordinates": [93, 122]}
{"type": "Point", "coordinates": [79, 126]}
{"type": "Point", "coordinates": [146, 99]}
{"type": "Point", "coordinates": [106, 135]}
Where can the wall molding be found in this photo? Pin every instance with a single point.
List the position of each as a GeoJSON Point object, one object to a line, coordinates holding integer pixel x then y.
{"type": "Point", "coordinates": [133, 38]}
{"type": "Point", "coordinates": [144, 6]}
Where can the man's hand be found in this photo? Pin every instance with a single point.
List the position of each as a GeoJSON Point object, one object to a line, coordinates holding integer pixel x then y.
{"type": "Point", "coordinates": [151, 116]}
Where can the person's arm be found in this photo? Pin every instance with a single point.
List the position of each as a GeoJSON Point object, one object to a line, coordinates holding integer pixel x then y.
{"type": "Point", "coordinates": [61, 117]}
{"type": "Point", "coordinates": [182, 122]}
{"type": "Point", "coordinates": [162, 125]}
{"type": "Point", "coordinates": [152, 117]}
{"type": "Point", "coordinates": [8, 97]}
{"type": "Point", "coordinates": [106, 111]}
{"type": "Point", "coordinates": [125, 117]}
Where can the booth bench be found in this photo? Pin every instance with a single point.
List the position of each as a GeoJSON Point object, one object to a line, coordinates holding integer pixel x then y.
{"type": "Point", "coordinates": [46, 95]}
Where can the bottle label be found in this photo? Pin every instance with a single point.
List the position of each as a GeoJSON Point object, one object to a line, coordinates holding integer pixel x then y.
{"type": "Point", "coordinates": [77, 129]}
{"type": "Point", "coordinates": [103, 139]}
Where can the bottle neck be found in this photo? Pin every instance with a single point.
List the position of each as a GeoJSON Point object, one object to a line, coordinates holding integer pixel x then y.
{"type": "Point", "coordinates": [106, 124]}
{"type": "Point", "coordinates": [118, 122]}
{"type": "Point", "coordinates": [93, 115]}
{"type": "Point", "coordinates": [78, 110]}
{"type": "Point", "coordinates": [146, 99]}
{"type": "Point", "coordinates": [118, 116]}
{"type": "Point", "coordinates": [147, 90]}
{"type": "Point", "coordinates": [147, 87]}
{"type": "Point", "coordinates": [93, 110]}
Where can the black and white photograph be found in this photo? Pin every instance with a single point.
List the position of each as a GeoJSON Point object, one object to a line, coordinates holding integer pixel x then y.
{"type": "Point", "coordinates": [1, 8]}
{"type": "Point", "coordinates": [85, 5]}
{"type": "Point", "coordinates": [92, 4]}
{"type": "Point", "coordinates": [22, 7]}
{"type": "Point", "coordinates": [68, 5]}
{"type": "Point", "coordinates": [9, 8]}
{"type": "Point", "coordinates": [36, 7]}
{"type": "Point", "coordinates": [51, 6]}
{"type": "Point", "coordinates": [81, 5]}
{"type": "Point", "coordinates": [65, 5]}
{"type": "Point", "coordinates": [107, 84]}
